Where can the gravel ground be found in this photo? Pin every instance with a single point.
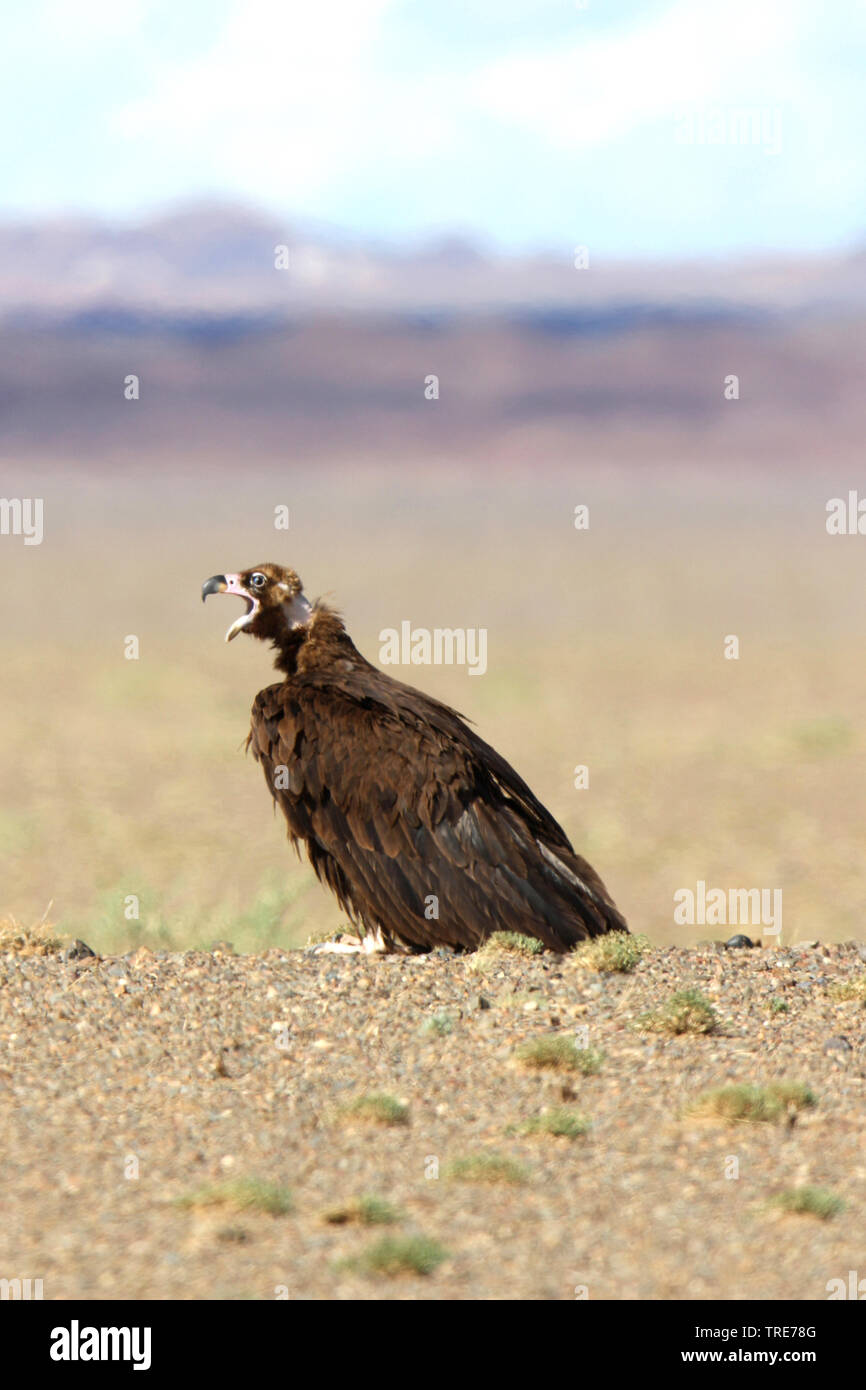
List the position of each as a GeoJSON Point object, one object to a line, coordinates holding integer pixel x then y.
{"type": "Point", "coordinates": [128, 1084]}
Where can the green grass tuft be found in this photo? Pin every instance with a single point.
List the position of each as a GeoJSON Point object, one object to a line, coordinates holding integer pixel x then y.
{"type": "Point", "coordinates": [559, 1054]}
{"type": "Point", "coordinates": [809, 1201]}
{"type": "Point", "coordinates": [514, 942]}
{"type": "Point", "coordinates": [393, 1255]}
{"type": "Point", "coordinates": [241, 1194]}
{"type": "Point", "coordinates": [366, 1211]}
{"type": "Point", "coordinates": [378, 1109]}
{"type": "Point", "coordinates": [753, 1103]}
{"type": "Point", "coordinates": [560, 1122]}
{"type": "Point", "coordinates": [503, 943]}
{"type": "Point", "coordinates": [617, 951]}
{"type": "Point", "coordinates": [687, 1011]}
{"type": "Point", "coordinates": [438, 1025]}
{"type": "Point", "coordinates": [487, 1168]}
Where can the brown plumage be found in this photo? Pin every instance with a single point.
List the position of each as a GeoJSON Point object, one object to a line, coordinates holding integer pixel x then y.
{"type": "Point", "coordinates": [423, 832]}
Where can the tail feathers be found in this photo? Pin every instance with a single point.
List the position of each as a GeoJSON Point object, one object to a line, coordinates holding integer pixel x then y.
{"type": "Point", "coordinates": [583, 906]}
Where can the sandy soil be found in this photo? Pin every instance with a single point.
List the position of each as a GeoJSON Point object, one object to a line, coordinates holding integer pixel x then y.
{"type": "Point", "coordinates": [128, 1084]}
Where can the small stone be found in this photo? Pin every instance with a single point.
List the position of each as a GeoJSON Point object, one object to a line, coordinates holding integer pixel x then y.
{"type": "Point", "coordinates": [735, 943]}
{"type": "Point", "coordinates": [79, 950]}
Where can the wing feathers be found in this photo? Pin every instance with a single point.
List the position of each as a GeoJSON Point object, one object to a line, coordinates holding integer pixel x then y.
{"type": "Point", "coordinates": [419, 827]}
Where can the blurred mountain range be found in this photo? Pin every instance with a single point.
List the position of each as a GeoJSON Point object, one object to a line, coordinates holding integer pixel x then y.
{"type": "Point", "coordinates": [219, 259]}
{"type": "Point", "coordinates": [332, 356]}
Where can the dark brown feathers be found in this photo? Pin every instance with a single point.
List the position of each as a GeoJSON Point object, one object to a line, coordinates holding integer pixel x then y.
{"type": "Point", "coordinates": [417, 825]}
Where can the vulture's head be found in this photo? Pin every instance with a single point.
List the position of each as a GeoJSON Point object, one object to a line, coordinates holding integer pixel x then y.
{"type": "Point", "coordinates": [274, 598]}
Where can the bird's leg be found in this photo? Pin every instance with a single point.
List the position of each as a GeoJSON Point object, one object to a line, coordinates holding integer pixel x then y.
{"type": "Point", "coordinates": [373, 941]}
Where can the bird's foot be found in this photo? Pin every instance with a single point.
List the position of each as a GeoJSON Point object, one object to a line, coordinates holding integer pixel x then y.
{"type": "Point", "coordinates": [349, 945]}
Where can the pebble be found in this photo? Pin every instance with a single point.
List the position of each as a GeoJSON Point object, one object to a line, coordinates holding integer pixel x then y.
{"type": "Point", "coordinates": [133, 1078]}
{"type": "Point", "coordinates": [77, 951]}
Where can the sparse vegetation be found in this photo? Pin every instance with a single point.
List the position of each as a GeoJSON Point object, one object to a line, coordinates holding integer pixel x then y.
{"type": "Point", "coordinates": [394, 1255]}
{"type": "Point", "coordinates": [615, 952]}
{"type": "Point", "coordinates": [437, 1025]}
{"type": "Point", "coordinates": [687, 1011]}
{"type": "Point", "coordinates": [487, 1168]}
{"type": "Point", "coordinates": [824, 737]}
{"type": "Point", "coordinates": [503, 943]}
{"type": "Point", "coordinates": [241, 1194]}
{"type": "Point", "coordinates": [378, 1109]}
{"type": "Point", "coordinates": [365, 1211]}
{"type": "Point", "coordinates": [355, 1183]}
{"type": "Point", "coordinates": [753, 1103]}
{"type": "Point", "coordinates": [38, 940]}
{"type": "Point", "coordinates": [559, 1054]}
{"type": "Point", "coordinates": [777, 1005]}
{"type": "Point", "coordinates": [808, 1201]}
{"type": "Point", "coordinates": [850, 989]}
{"type": "Point", "coordinates": [513, 941]}
{"type": "Point", "coordinates": [559, 1122]}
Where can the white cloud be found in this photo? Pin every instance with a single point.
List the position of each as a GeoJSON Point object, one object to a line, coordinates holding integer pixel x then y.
{"type": "Point", "coordinates": [278, 100]}
{"type": "Point", "coordinates": [353, 111]}
{"type": "Point", "coordinates": [604, 85]}
{"type": "Point", "coordinates": [89, 21]}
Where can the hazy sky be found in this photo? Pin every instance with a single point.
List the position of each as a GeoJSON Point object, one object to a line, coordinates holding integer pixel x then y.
{"type": "Point", "coordinates": [633, 126]}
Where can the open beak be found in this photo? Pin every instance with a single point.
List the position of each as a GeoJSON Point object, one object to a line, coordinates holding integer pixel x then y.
{"type": "Point", "coordinates": [231, 584]}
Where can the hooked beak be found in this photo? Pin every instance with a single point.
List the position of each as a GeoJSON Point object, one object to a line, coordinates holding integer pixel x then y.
{"type": "Point", "coordinates": [231, 584]}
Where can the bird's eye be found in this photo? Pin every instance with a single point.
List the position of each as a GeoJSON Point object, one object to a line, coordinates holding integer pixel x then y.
{"type": "Point", "coordinates": [258, 580]}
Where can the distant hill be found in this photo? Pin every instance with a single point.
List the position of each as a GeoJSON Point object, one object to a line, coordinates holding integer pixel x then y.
{"type": "Point", "coordinates": [219, 258]}
{"type": "Point", "coordinates": [328, 359]}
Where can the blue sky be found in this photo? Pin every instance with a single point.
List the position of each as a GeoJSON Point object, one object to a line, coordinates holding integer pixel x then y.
{"type": "Point", "coordinates": [661, 128]}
